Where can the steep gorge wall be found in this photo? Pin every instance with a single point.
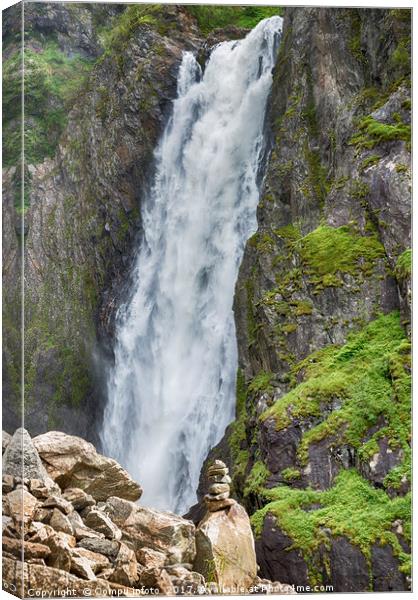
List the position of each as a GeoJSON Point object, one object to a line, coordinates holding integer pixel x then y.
{"type": "Point", "coordinates": [320, 451]}
{"type": "Point", "coordinates": [83, 201]}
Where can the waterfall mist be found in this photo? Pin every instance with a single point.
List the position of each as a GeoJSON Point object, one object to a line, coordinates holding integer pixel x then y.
{"type": "Point", "coordinates": [171, 392]}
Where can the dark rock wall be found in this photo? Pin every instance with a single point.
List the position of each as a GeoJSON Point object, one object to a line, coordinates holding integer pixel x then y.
{"type": "Point", "coordinates": [330, 256]}
{"type": "Point", "coordinates": [83, 209]}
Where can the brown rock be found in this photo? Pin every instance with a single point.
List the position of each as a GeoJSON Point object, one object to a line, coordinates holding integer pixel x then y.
{"type": "Point", "coordinates": [119, 509]}
{"type": "Point", "coordinates": [100, 522]}
{"type": "Point", "coordinates": [22, 577]}
{"type": "Point", "coordinates": [219, 488]}
{"type": "Point", "coordinates": [60, 557]}
{"type": "Point", "coordinates": [8, 483]}
{"type": "Point", "coordinates": [161, 531]}
{"type": "Point", "coordinates": [60, 522]}
{"type": "Point", "coordinates": [81, 567]}
{"type": "Point", "coordinates": [157, 579]}
{"type": "Point", "coordinates": [21, 507]}
{"type": "Point", "coordinates": [78, 498]}
{"type": "Point", "coordinates": [214, 497]}
{"type": "Point", "coordinates": [219, 479]}
{"type": "Point", "coordinates": [75, 520]}
{"type": "Point", "coordinates": [215, 505]}
{"type": "Point", "coordinates": [98, 562]}
{"type": "Point", "coordinates": [74, 463]}
{"type": "Point", "coordinates": [67, 538]}
{"type": "Point", "coordinates": [84, 532]}
{"type": "Point", "coordinates": [42, 515]}
{"type": "Point", "coordinates": [57, 502]}
{"type": "Point", "coordinates": [225, 548]}
{"type": "Point", "coordinates": [38, 489]}
{"type": "Point", "coordinates": [109, 548]}
{"type": "Point", "coordinates": [30, 550]}
{"type": "Point", "coordinates": [151, 558]}
{"type": "Point", "coordinates": [125, 567]}
{"type": "Point", "coordinates": [186, 581]}
{"type": "Point", "coordinates": [39, 532]}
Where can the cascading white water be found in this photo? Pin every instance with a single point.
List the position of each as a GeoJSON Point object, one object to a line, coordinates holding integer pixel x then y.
{"type": "Point", "coordinates": [171, 392]}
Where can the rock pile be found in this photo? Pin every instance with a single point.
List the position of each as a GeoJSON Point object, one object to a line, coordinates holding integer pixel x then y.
{"type": "Point", "coordinates": [225, 552]}
{"type": "Point", "coordinates": [219, 480]}
{"type": "Point", "coordinates": [70, 522]}
{"type": "Point", "coordinates": [81, 529]}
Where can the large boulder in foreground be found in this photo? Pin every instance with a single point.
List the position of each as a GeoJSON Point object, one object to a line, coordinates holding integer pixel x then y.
{"type": "Point", "coordinates": [225, 553]}
{"type": "Point", "coordinates": [74, 463]}
{"type": "Point", "coordinates": [161, 531]}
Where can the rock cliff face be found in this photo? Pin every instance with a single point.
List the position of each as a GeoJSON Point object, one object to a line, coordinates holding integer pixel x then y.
{"type": "Point", "coordinates": [83, 212]}
{"type": "Point", "coordinates": [323, 390]}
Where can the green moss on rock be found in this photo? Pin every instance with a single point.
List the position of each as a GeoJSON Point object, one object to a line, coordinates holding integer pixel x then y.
{"type": "Point", "coordinates": [351, 508]}
{"type": "Point", "coordinates": [328, 252]}
{"type": "Point", "coordinates": [369, 377]}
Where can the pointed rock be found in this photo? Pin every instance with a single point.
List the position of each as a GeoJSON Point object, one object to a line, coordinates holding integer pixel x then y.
{"type": "Point", "coordinates": [21, 459]}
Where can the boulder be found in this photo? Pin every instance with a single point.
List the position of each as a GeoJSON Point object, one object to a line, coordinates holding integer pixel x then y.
{"type": "Point", "coordinates": [57, 502]}
{"type": "Point", "coordinates": [84, 532]}
{"type": "Point", "coordinates": [98, 562]}
{"type": "Point", "coordinates": [162, 531]}
{"type": "Point", "coordinates": [100, 522]}
{"type": "Point", "coordinates": [78, 498]}
{"type": "Point", "coordinates": [60, 522]}
{"type": "Point", "coordinates": [30, 550]}
{"type": "Point", "coordinates": [8, 483]}
{"type": "Point", "coordinates": [125, 567]}
{"type": "Point", "coordinates": [81, 567]}
{"type": "Point", "coordinates": [119, 510]}
{"type": "Point", "coordinates": [38, 489]}
{"type": "Point", "coordinates": [185, 581]}
{"type": "Point", "coordinates": [74, 463]}
{"type": "Point", "coordinates": [225, 550]}
{"type": "Point", "coordinates": [60, 557]}
{"type": "Point", "coordinates": [151, 558]}
{"type": "Point", "coordinates": [25, 579]}
{"type": "Point", "coordinates": [21, 460]}
{"type": "Point", "coordinates": [157, 579]}
{"type": "Point", "coordinates": [21, 506]}
{"type": "Point", "coordinates": [109, 548]}
{"type": "Point", "coordinates": [40, 532]}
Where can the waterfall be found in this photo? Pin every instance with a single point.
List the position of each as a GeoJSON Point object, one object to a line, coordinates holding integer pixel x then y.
{"type": "Point", "coordinates": [171, 392]}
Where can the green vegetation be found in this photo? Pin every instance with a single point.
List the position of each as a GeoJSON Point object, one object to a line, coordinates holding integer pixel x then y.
{"type": "Point", "coordinates": [328, 251]}
{"type": "Point", "coordinates": [214, 17]}
{"type": "Point", "coordinates": [370, 161]}
{"type": "Point", "coordinates": [237, 437]}
{"type": "Point", "coordinates": [381, 353]}
{"type": "Point", "coordinates": [52, 82]}
{"type": "Point", "coordinates": [403, 267]}
{"type": "Point", "coordinates": [351, 508]}
{"type": "Point", "coordinates": [256, 478]}
{"type": "Point", "coordinates": [261, 383]}
{"type": "Point", "coordinates": [372, 132]}
{"type": "Point", "coordinates": [132, 18]}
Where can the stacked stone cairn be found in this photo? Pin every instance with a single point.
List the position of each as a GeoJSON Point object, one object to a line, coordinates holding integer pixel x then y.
{"type": "Point", "coordinates": [219, 480]}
